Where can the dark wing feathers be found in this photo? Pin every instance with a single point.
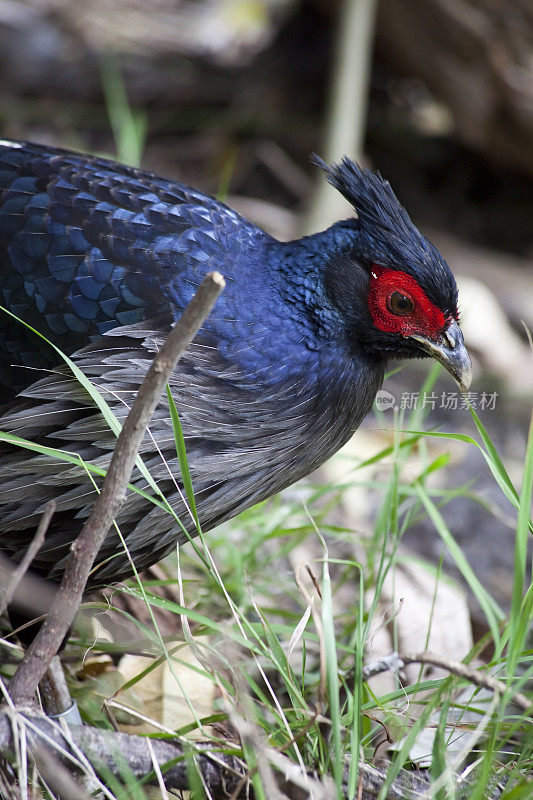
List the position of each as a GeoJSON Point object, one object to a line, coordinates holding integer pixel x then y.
{"type": "Point", "coordinates": [87, 245]}
{"type": "Point", "coordinates": [242, 448]}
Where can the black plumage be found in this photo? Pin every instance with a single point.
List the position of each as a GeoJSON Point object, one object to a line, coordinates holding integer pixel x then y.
{"type": "Point", "coordinates": [102, 259]}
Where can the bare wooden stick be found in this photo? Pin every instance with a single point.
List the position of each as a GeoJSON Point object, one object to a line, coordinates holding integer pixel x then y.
{"type": "Point", "coordinates": [473, 675]}
{"type": "Point", "coordinates": [54, 691]}
{"type": "Point", "coordinates": [109, 752]}
{"type": "Point", "coordinates": [29, 555]}
{"type": "Point", "coordinates": [85, 549]}
{"type": "Point", "coordinates": [394, 663]}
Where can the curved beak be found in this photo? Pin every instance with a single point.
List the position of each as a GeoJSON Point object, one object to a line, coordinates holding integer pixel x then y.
{"type": "Point", "coordinates": [451, 352]}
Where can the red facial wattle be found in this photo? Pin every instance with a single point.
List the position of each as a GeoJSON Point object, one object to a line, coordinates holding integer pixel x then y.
{"type": "Point", "coordinates": [421, 316]}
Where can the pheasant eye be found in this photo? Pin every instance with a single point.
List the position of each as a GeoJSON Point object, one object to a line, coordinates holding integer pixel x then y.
{"type": "Point", "coordinates": [400, 304]}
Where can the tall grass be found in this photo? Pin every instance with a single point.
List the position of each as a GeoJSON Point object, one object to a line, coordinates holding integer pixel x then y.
{"type": "Point", "coordinates": [260, 643]}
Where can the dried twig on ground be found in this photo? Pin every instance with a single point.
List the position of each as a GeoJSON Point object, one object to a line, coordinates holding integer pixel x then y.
{"type": "Point", "coordinates": [53, 689]}
{"type": "Point", "coordinates": [473, 675]}
{"type": "Point", "coordinates": [396, 662]}
{"type": "Point", "coordinates": [84, 748]}
{"type": "Point", "coordinates": [114, 752]}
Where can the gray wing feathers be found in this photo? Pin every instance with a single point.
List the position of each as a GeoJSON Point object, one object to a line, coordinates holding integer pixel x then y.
{"type": "Point", "coordinates": [242, 448]}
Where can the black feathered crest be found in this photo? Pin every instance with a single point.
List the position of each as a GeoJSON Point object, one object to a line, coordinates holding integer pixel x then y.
{"type": "Point", "coordinates": [389, 235]}
{"type": "Point", "coordinates": [369, 193]}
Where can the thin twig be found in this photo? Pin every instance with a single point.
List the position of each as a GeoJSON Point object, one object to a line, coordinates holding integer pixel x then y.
{"type": "Point", "coordinates": [53, 688]}
{"type": "Point", "coordinates": [85, 549]}
{"type": "Point", "coordinates": [391, 663]}
{"type": "Point", "coordinates": [35, 545]}
{"type": "Point", "coordinates": [470, 674]}
{"type": "Point", "coordinates": [394, 663]}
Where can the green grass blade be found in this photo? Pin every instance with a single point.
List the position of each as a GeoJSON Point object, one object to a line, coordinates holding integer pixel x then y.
{"type": "Point", "coordinates": [332, 670]}
{"type": "Point", "coordinates": [111, 420]}
{"type": "Point", "coordinates": [491, 609]}
{"type": "Point", "coordinates": [182, 457]}
{"type": "Point", "coordinates": [73, 458]}
{"type": "Point", "coordinates": [493, 454]}
{"type": "Point", "coordinates": [518, 626]}
{"type": "Point", "coordinates": [439, 767]}
{"type": "Point", "coordinates": [129, 125]}
{"type": "Point", "coordinates": [357, 710]}
{"type": "Point", "coordinates": [501, 476]}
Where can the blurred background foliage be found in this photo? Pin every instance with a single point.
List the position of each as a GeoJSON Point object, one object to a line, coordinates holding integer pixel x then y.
{"type": "Point", "coordinates": [450, 117]}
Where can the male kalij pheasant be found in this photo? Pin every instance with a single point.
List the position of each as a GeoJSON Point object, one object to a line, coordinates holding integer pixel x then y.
{"type": "Point", "coordinates": [102, 259]}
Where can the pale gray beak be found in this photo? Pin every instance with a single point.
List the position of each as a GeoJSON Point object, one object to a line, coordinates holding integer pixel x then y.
{"type": "Point", "coordinates": [451, 352]}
